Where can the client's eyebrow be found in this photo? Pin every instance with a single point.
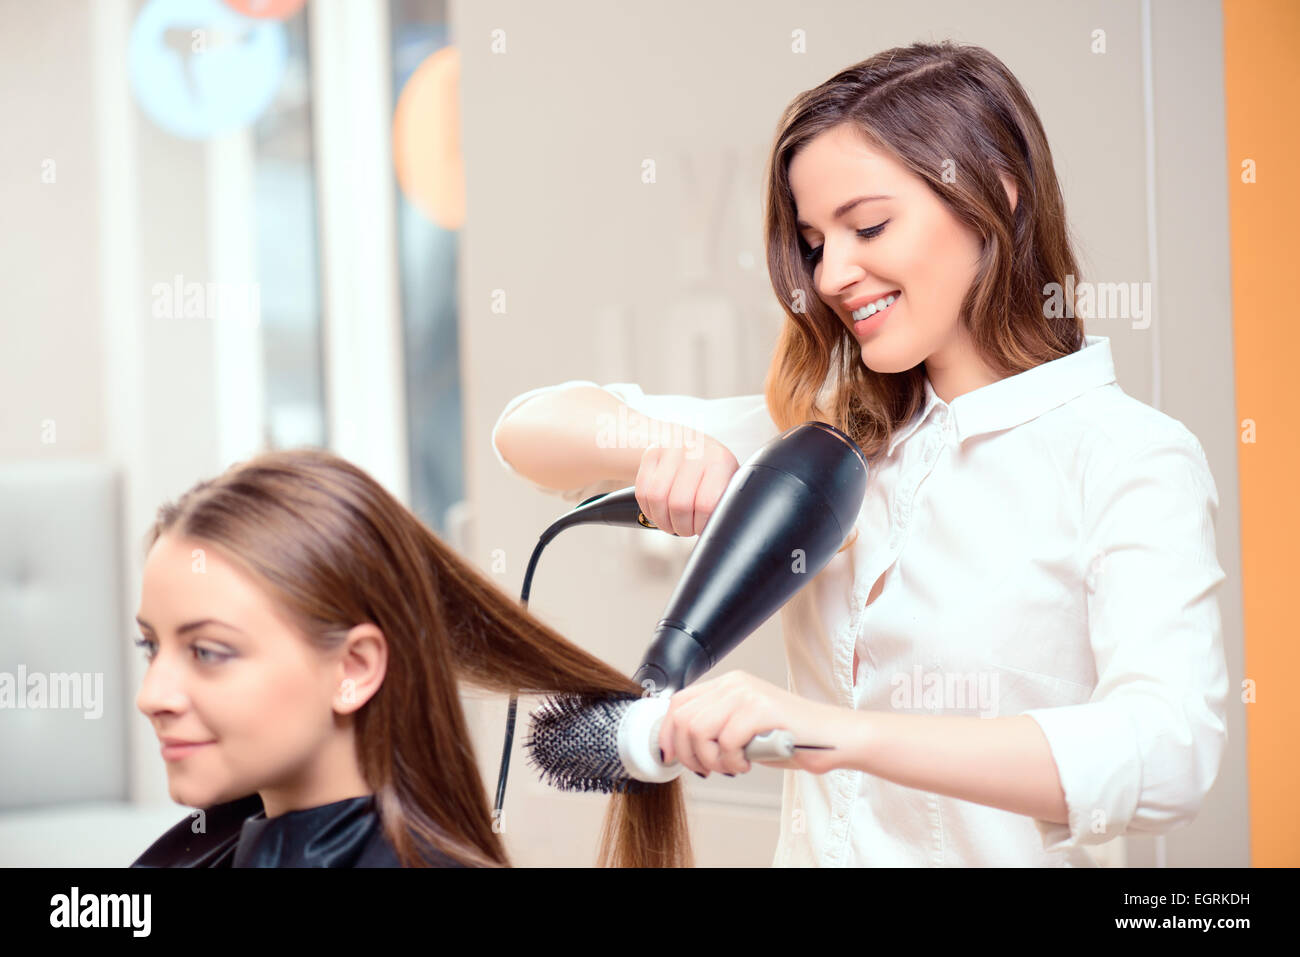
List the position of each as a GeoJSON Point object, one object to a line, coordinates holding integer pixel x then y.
{"type": "Point", "coordinates": [191, 625]}
{"type": "Point", "coordinates": [844, 208]}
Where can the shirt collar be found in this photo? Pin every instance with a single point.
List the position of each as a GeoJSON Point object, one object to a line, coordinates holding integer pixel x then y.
{"type": "Point", "coordinates": [1017, 399]}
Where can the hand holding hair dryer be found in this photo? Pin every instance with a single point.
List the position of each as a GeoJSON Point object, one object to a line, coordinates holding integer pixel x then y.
{"type": "Point", "coordinates": [783, 517]}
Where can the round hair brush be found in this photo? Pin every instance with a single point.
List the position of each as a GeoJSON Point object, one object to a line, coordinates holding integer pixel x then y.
{"type": "Point", "coordinates": [610, 743]}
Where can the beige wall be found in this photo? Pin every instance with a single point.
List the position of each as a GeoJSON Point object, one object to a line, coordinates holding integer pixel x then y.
{"type": "Point", "coordinates": [599, 269]}
{"type": "Point", "coordinates": [49, 362]}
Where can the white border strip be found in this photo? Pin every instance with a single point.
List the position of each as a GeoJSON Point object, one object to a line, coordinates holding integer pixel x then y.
{"type": "Point", "coordinates": [123, 316]}
{"type": "Point", "coordinates": [352, 127]}
{"type": "Point", "coordinates": [1153, 254]}
{"type": "Point", "coordinates": [239, 372]}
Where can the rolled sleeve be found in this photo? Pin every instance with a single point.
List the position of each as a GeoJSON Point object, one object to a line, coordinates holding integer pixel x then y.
{"type": "Point", "coordinates": [740, 423]}
{"type": "Point", "coordinates": [1143, 752]}
{"type": "Point", "coordinates": [514, 404]}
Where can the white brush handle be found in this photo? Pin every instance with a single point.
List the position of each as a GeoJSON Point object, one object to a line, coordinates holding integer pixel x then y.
{"type": "Point", "coordinates": [638, 742]}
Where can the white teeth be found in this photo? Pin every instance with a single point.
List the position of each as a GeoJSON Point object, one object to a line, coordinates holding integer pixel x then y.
{"type": "Point", "coordinates": [871, 308]}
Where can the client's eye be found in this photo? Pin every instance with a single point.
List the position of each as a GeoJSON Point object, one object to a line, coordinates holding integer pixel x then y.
{"type": "Point", "coordinates": [812, 256]}
{"type": "Point", "coordinates": [203, 655]}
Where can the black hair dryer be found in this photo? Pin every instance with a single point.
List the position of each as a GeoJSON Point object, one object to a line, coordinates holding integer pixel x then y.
{"type": "Point", "coordinates": [783, 517]}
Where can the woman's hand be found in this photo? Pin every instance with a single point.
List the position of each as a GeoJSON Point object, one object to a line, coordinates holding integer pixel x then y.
{"type": "Point", "coordinates": [678, 489]}
{"type": "Point", "coordinates": [709, 723]}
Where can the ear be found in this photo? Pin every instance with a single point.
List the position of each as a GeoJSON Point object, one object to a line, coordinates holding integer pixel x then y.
{"type": "Point", "coordinates": [1010, 187]}
{"type": "Point", "coordinates": [361, 668]}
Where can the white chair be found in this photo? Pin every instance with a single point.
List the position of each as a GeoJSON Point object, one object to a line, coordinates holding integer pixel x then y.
{"type": "Point", "coordinates": [64, 797]}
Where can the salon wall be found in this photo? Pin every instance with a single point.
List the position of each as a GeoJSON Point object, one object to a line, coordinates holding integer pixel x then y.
{"type": "Point", "coordinates": [611, 278]}
{"type": "Point", "coordinates": [50, 360]}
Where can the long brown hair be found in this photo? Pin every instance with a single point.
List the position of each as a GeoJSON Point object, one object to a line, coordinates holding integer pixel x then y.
{"type": "Point", "coordinates": [334, 549]}
{"type": "Point", "coordinates": [928, 105]}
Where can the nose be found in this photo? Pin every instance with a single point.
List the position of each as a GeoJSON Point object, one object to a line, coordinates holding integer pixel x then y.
{"type": "Point", "coordinates": [837, 272]}
{"type": "Point", "coordinates": [163, 687]}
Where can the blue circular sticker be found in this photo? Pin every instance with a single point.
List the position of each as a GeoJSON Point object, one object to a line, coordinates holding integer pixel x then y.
{"type": "Point", "coordinates": [199, 69]}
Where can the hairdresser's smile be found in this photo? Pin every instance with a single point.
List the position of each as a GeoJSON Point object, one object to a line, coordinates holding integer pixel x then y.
{"type": "Point", "coordinates": [868, 312]}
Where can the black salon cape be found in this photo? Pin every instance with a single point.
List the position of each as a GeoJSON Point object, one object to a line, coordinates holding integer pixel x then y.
{"type": "Point", "coordinates": [345, 833]}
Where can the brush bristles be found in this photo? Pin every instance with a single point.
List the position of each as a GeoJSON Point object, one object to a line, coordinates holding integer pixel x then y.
{"type": "Point", "coordinates": [573, 743]}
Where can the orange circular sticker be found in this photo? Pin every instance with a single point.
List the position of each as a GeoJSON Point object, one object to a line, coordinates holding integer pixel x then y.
{"type": "Point", "coordinates": [426, 139]}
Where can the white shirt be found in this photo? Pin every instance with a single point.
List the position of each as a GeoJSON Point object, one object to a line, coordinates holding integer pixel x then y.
{"type": "Point", "coordinates": [1047, 540]}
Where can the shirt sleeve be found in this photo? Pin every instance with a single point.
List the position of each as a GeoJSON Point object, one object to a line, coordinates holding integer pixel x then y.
{"type": "Point", "coordinates": [1142, 753]}
{"type": "Point", "coordinates": [741, 423]}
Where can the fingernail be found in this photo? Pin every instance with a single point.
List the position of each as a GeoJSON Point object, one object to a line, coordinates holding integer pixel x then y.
{"type": "Point", "coordinates": [728, 774]}
{"type": "Point", "coordinates": [661, 756]}
{"type": "Point", "coordinates": [697, 774]}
